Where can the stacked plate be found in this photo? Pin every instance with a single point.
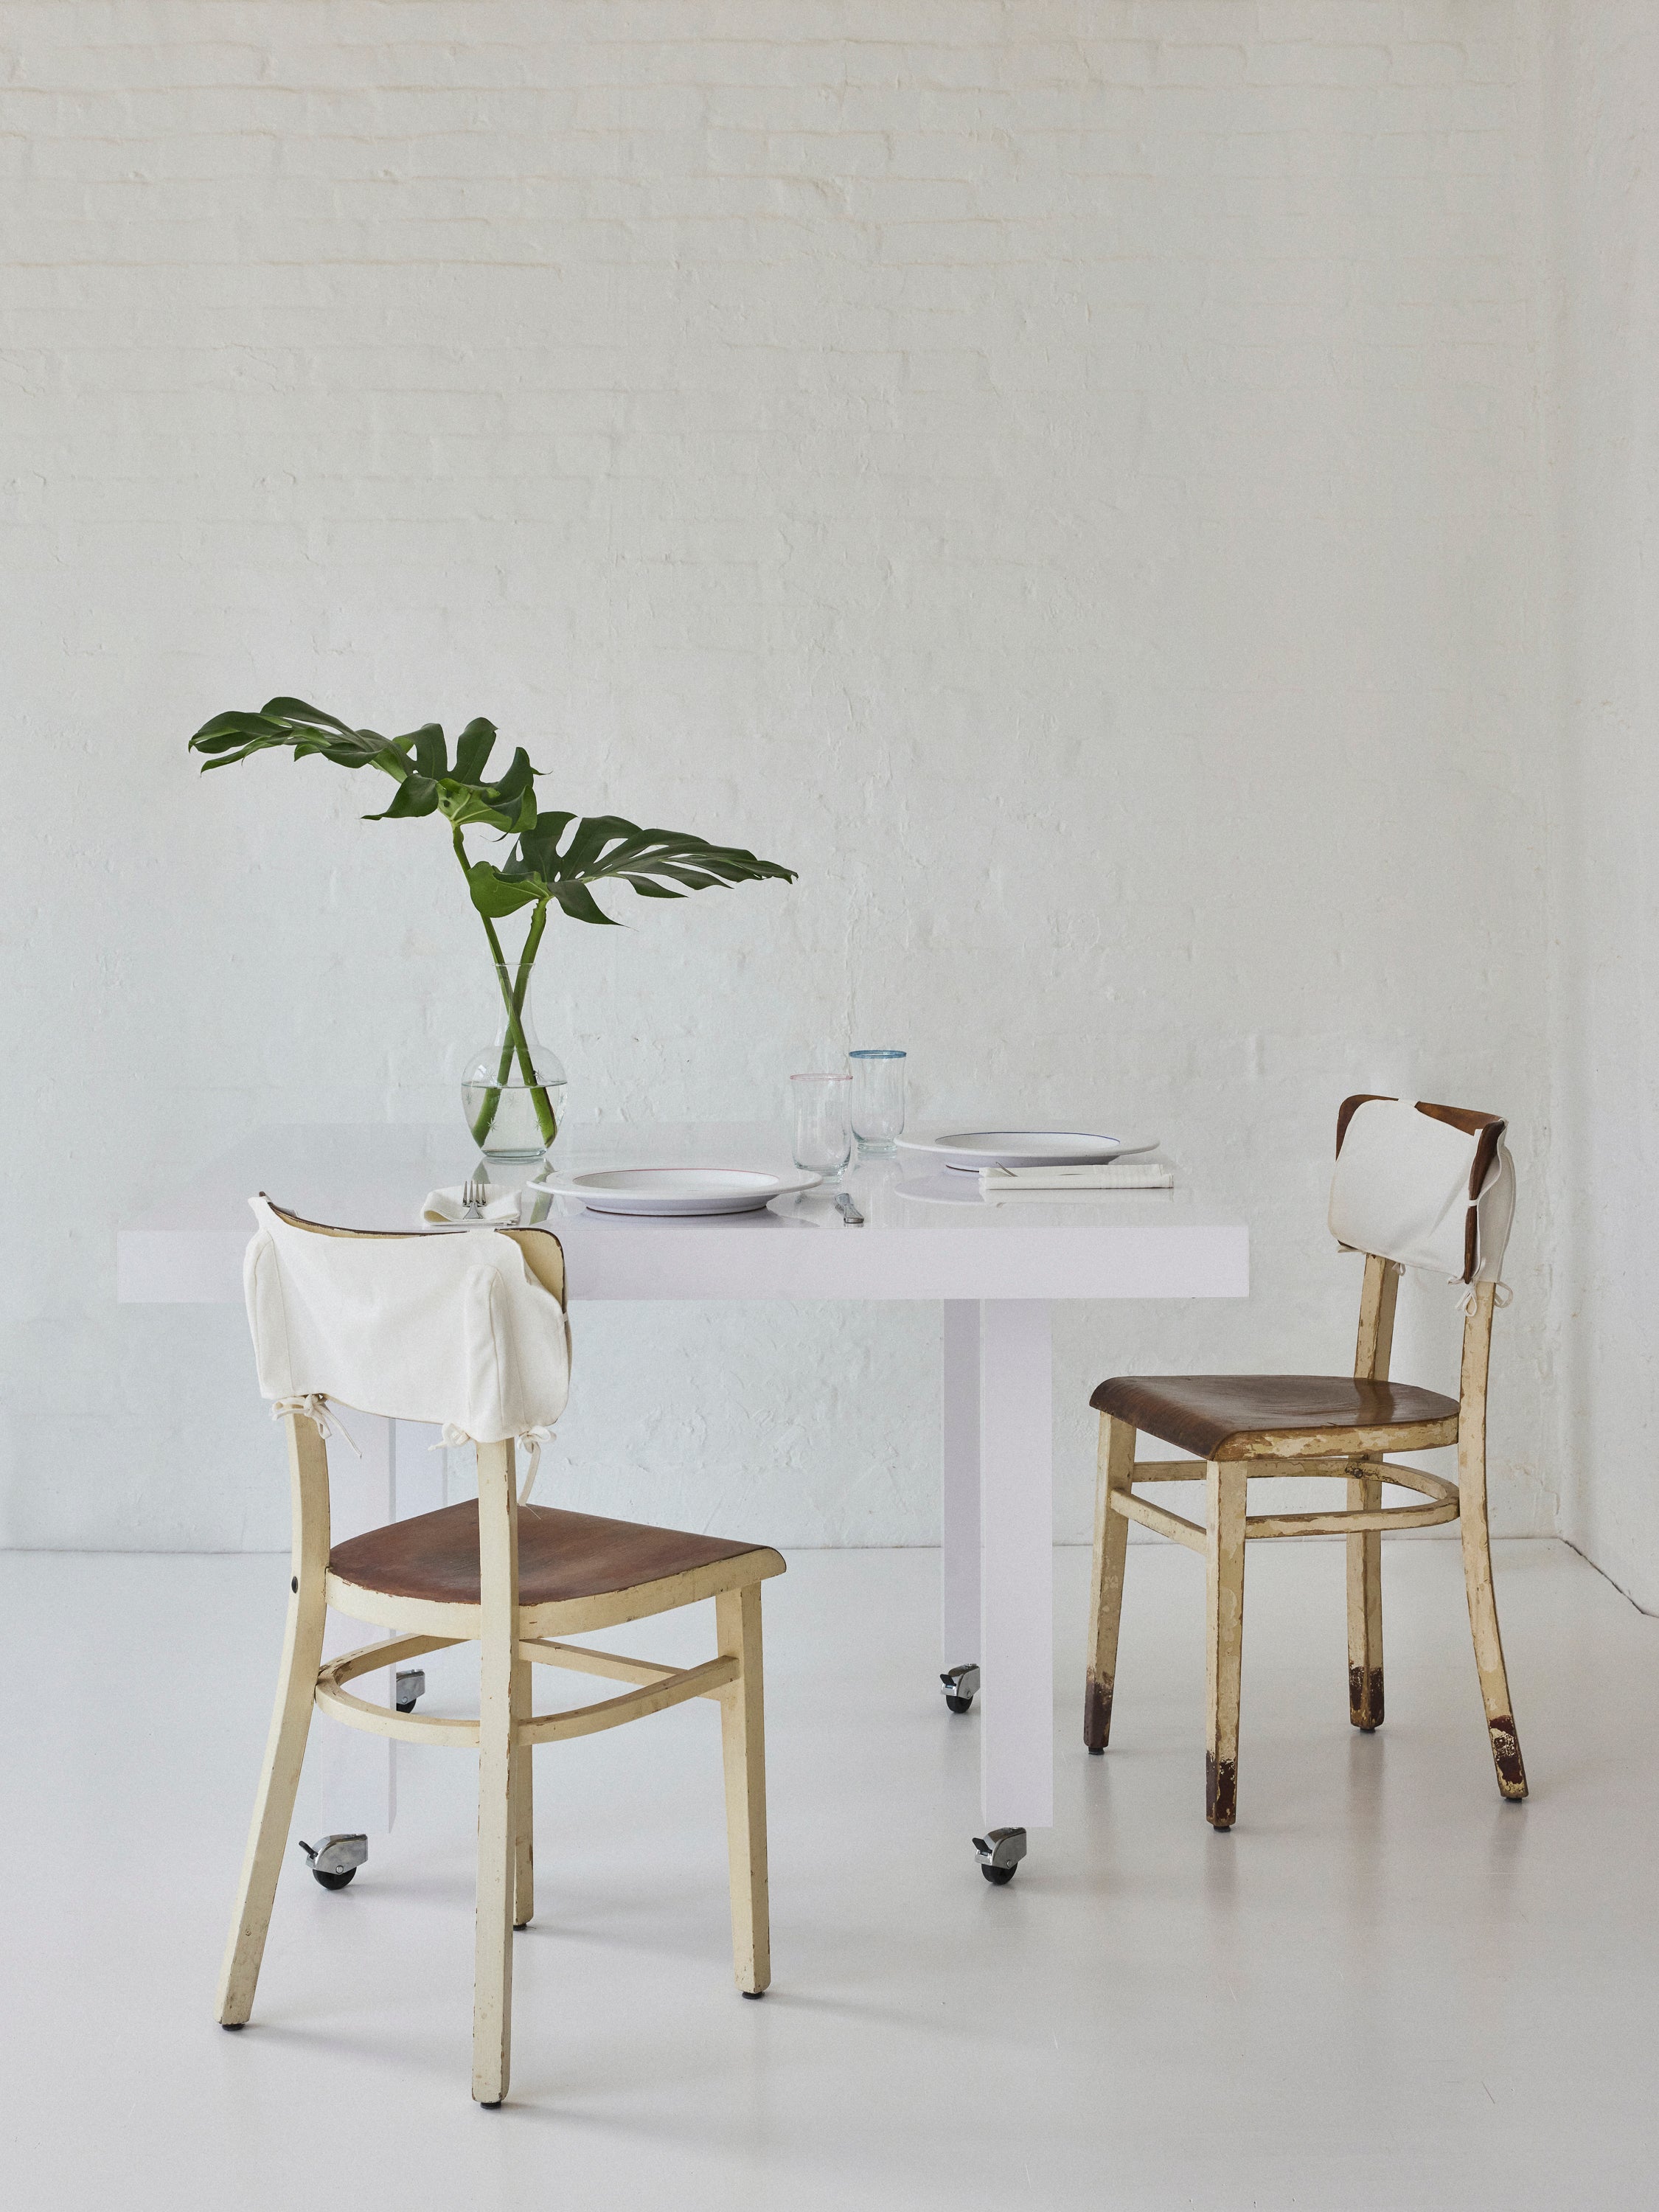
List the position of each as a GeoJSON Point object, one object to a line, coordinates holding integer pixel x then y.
{"type": "Point", "coordinates": [967, 1150]}
{"type": "Point", "coordinates": [674, 1193]}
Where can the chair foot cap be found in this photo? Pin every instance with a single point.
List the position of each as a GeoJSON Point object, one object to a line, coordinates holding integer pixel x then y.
{"type": "Point", "coordinates": [755, 1994]}
{"type": "Point", "coordinates": [232, 2026]}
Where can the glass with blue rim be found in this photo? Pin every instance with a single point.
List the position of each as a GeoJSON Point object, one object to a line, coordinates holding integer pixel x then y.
{"type": "Point", "coordinates": [877, 1098]}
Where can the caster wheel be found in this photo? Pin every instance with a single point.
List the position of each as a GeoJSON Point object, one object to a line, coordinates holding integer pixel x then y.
{"type": "Point", "coordinates": [1000, 1853]}
{"type": "Point", "coordinates": [959, 1704]}
{"type": "Point", "coordinates": [961, 1686]}
{"type": "Point", "coordinates": [336, 1859]}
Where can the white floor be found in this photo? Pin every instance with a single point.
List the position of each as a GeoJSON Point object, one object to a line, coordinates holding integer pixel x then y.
{"type": "Point", "coordinates": [1386, 1988]}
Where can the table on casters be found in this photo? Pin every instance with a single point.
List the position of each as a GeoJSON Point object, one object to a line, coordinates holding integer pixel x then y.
{"type": "Point", "coordinates": [995, 1270]}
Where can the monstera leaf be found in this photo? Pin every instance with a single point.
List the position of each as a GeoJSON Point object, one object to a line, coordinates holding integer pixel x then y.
{"type": "Point", "coordinates": [658, 863]}
{"type": "Point", "coordinates": [427, 782]}
{"type": "Point", "coordinates": [554, 860]}
{"type": "Point", "coordinates": [604, 847]}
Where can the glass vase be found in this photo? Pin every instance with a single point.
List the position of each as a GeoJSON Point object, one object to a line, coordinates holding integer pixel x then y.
{"type": "Point", "coordinates": [513, 1092]}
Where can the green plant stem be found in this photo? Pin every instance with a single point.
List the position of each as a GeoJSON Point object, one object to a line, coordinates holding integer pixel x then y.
{"type": "Point", "coordinates": [514, 992]}
{"type": "Point", "coordinates": [547, 1121]}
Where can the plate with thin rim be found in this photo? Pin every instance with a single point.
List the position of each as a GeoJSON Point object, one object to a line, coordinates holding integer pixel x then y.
{"type": "Point", "coordinates": [672, 1194]}
{"type": "Point", "coordinates": [970, 1150]}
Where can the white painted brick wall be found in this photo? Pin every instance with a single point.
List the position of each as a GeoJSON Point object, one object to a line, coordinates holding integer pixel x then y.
{"type": "Point", "coordinates": [1604, 66]}
{"type": "Point", "coordinates": [1063, 476]}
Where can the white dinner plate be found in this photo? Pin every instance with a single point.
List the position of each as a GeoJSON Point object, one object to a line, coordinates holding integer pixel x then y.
{"type": "Point", "coordinates": [970, 1150]}
{"type": "Point", "coordinates": [669, 1192]}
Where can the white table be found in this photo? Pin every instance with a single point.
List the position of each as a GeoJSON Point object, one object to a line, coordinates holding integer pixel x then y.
{"type": "Point", "coordinates": [995, 1270]}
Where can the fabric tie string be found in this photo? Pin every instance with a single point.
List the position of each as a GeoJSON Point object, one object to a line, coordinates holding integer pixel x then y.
{"type": "Point", "coordinates": [532, 1440]}
{"type": "Point", "coordinates": [1501, 1296]}
{"type": "Point", "coordinates": [529, 1440]}
{"type": "Point", "coordinates": [314, 1407]}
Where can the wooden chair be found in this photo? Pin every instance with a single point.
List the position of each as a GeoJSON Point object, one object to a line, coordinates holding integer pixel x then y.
{"type": "Point", "coordinates": [515, 1579]}
{"type": "Point", "coordinates": [1302, 1425]}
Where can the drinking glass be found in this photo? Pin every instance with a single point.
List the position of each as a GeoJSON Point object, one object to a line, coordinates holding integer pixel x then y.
{"type": "Point", "coordinates": [823, 1137]}
{"type": "Point", "coordinates": [877, 1098]}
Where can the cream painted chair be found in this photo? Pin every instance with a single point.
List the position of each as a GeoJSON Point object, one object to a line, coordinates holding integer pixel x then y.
{"type": "Point", "coordinates": [512, 1577]}
{"type": "Point", "coordinates": [1422, 1185]}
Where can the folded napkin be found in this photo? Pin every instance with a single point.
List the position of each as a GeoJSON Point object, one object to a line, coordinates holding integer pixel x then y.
{"type": "Point", "coordinates": [500, 1204]}
{"type": "Point", "coordinates": [1112, 1175]}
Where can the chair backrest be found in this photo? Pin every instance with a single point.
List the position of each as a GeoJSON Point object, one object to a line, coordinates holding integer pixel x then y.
{"type": "Point", "coordinates": [466, 1328]}
{"type": "Point", "coordinates": [1430, 1187]}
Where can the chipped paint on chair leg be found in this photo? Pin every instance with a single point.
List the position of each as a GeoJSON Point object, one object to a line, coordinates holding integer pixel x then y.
{"type": "Point", "coordinates": [1365, 1608]}
{"type": "Point", "coordinates": [1226, 1485]}
{"type": "Point", "coordinates": [498, 1642]}
{"type": "Point", "coordinates": [1373, 1350]}
{"type": "Point", "coordinates": [524, 1805]}
{"type": "Point", "coordinates": [1116, 1472]}
{"type": "Point", "coordinates": [285, 1749]}
{"type": "Point", "coordinates": [743, 1741]}
{"type": "Point", "coordinates": [1489, 1651]}
{"type": "Point", "coordinates": [1477, 1548]}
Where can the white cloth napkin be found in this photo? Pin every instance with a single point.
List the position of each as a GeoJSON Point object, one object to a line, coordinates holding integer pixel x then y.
{"type": "Point", "coordinates": [1112, 1175]}
{"type": "Point", "coordinates": [499, 1204]}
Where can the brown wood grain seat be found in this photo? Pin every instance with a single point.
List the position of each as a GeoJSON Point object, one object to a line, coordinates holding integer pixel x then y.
{"type": "Point", "coordinates": [562, 1557]}
{"type": "Point", "coordinates": [1216, 1416]}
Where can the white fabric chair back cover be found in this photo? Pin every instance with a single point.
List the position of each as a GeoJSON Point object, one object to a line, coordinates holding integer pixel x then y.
{"type": "Point", "coordinates": [1431, 1187]}
{"type": "Point", "coordinates": [449, 1328]}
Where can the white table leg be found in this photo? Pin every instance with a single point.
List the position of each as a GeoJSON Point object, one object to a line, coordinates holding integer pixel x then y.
{"type": "Point", "coordinates": [959, 1516]}
{"type": "Point", "coordinates": [1017, 1745]}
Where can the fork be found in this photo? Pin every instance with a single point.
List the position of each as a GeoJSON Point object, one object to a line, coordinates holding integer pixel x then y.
{"type": "Point", "coordinates": [472, 1199]}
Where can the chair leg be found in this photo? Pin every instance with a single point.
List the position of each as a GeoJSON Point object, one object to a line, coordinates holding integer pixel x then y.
{"type": "Point", "coordinates": [285, 1746]}
{"type": "Point", "coordinates": [273, 1808]}
{"type": "Point", "coordinates": [1488, 1642]}
{"type": "Point", "coordinates": [1226, 1484]}
{"type": "Point", "coordinates": [1116, 1461]}
{"type": "Point", "coordinates": [1365, 1608]}
{"type": "Point", "coordinates": [523, 1806]}
{"type": "Point", "coordinates": [743, 1742]}
{"type": "Point", "coordinates": [498, 1669]}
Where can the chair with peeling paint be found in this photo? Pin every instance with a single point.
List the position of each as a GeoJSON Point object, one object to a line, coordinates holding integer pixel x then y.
{"type": "Point", "coordinates": [1416, 1186]}
{"type": "Point", "coordinates": [467, 1329]}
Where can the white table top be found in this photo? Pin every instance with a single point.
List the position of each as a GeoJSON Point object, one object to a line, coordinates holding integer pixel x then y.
{"type": "Point", "coordinates": [1185, 1243]}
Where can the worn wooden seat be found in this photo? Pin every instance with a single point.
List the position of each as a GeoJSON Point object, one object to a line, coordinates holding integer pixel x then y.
{"type": "Point", "coordinates": [1240, 1426]}
{"type": "Point", "coordinates": [1270, 1416]}
{"type": "Point", "coordinates": [563, 1558]}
